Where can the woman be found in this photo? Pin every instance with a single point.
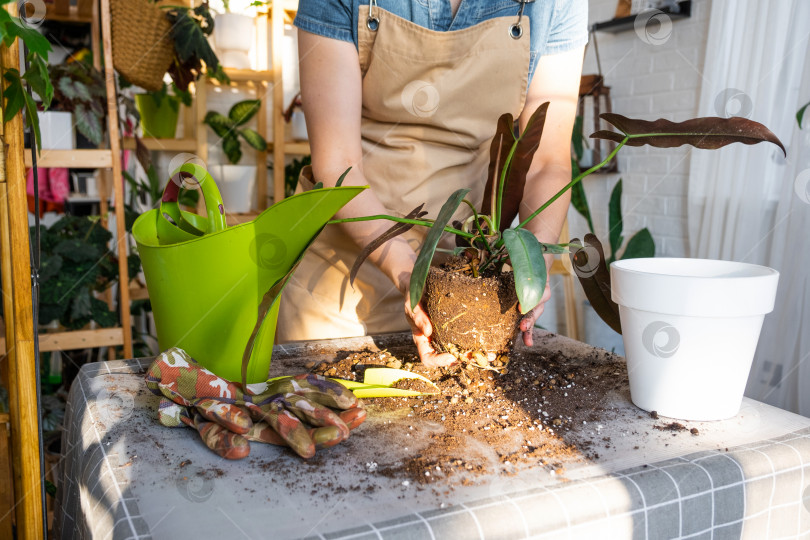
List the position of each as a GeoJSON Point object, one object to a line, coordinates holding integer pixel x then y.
{"type": "Point", "coordinates": [407, 93]}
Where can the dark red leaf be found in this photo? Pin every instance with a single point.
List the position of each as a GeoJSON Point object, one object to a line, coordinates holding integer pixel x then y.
{"type": "Point", "coordinates": [393, 232]}
{"type": "Point", "coordinates": [592, 271]}
{"type": "Point", "coordinates": [521, 161]}
{"type": "Point", "coordinates": [498, 150]}
{"type": "Point", "coordinates": [708, 132]}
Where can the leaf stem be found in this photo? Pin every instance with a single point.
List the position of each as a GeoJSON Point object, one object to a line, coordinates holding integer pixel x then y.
{"type": "Point", "coordinates": [574, 181]}
{"type": "Point", "coordinates": [422, 222]}
{"type": "Point", "coordinates": [478, 226]}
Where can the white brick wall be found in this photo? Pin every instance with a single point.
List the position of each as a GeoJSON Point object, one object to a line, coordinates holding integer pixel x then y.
{"type": "Point", "coordinates": [650, 82]}
{"type": "Point", "coordinates": [646, 81]}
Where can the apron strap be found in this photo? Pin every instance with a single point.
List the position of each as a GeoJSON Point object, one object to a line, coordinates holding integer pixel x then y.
{"type": "Point", "coordinates": [516, 30]}
{"type": "Point", "coordinates": [373, 21]}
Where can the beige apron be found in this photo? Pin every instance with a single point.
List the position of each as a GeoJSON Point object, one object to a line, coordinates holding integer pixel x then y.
{"type": "Point", "coordinates": [431, 101]}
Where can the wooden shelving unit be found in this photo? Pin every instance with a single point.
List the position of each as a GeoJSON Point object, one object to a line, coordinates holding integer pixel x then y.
{"type": "Point", "coordinates": [105, 159]}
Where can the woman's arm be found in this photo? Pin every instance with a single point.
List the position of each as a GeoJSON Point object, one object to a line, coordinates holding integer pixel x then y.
{"type": "Point", "coordinates": [556, 79]}
{"type": "Point", "coordinates": [331, 92]}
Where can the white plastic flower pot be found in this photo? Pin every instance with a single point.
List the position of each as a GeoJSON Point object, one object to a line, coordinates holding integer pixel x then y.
{"type": "Point", "coordinates": [57, 130]}
{"type": "Point", "coordinates": [298, 126]}
{"type": "Point", "coordinates": [690, 329]}
{"type": "Point", "coordinates": [236, 186]}
{"type": "Point", "coordinates": [234, 37]}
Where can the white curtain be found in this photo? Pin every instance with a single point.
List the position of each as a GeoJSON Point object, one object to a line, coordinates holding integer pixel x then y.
{"type": "Point", "coordinates": [747, 203]}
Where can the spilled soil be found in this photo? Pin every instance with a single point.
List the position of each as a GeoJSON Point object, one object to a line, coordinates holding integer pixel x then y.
{"type": "Point", "coordinates": [541, 410]}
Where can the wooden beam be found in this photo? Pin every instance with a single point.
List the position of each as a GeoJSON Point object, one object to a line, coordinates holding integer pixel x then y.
{"type": "Point", "coordinates": [61, 7]}
{"type": "Point", "coordinates": [170, 145]}
{"type": "Point", "coordinates": [277, 37]}
{"type": "Point", "coordinates": [118, 188]}
{"type": "Point", "coordinates": [6, 482]}
{"type": "Point", "coordinates": [85, 159]}
{"type": "Point", "coordinates": [85, 8]}
{"type": "Point", "coordinates": [17, 302]}
{"type": "Point", "coordinates": [76, 339]}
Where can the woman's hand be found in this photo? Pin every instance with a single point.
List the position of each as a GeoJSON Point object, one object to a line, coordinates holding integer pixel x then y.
{"type": "Point", "coordinates": [422, 328]}
{"type": "Point", "coordinates": [527, 323]}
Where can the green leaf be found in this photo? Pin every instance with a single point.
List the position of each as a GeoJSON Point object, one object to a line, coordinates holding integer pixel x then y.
{"type": "Point", "coordinates": [554, 249]}
{"type": "Point", "coordinates": [577, 139]}
{"type": "Point", "coordinates": [640, 245]}
{"type": "Point", "coordinates": [32, 117]}
{"type": "Point", "coordinates": [76, 250]}
{"type": "Point", "coordinates": [615, 222]}
{"type": "Point", "coordinates": [529, 266]}
{"type": "Point", "coordinates": [318, 185]}
{"type": "Point", "coordinates": [242, 112]}
{"type": "Point", "coordinates": [342, 177]}
{"type": "Point", "coordinates": [422, 265]}
{"type": "Point", "coordinates": [100, 312]}
{"type": "Point", "coordinates": [220, 123]}
{"type": "Point", "coordinates": [39, 80]}
{"type": "Point", "coordinates": [88, 124]}
{"type": "Point", "coordinates": [800, 114]}
{"type": "Point", "coordinates": [81, 305]}
{"type": "Point", "coordinates": [500, 147]}
{"type": "Point", "coordinates": [232, 148]}
{"type": "Point", "coordinates": [253, 138]}
{"type": "Point", "coordinates": [14, 94]}
{"type": "Point", "coordinates": [36, 42]}
{"type": "Point", "coordinates": [190, 41]}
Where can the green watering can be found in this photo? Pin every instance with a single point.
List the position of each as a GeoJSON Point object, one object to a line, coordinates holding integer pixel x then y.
{"type": "Point", "coordinates": [214, 289]}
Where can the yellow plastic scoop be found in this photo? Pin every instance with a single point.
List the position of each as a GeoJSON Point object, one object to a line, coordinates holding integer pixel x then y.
{"type": "Point", "coordinates": [377, 383]}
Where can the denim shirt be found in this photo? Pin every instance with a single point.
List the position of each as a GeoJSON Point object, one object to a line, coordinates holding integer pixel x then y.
{"type": "Point", "coordinates": [555, 25]}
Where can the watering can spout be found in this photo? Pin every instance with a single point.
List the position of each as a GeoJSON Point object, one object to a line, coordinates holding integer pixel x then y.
{"type": "Point", "coordinates": [206, 289]}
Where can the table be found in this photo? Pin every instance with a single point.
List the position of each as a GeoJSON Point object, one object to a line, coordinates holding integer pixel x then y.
{"type": "Point", "coordinates": [125, 476]}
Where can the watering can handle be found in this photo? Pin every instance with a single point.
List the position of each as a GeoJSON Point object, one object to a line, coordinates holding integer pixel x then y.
{"type": "Point", "coordinates": [213, 200]}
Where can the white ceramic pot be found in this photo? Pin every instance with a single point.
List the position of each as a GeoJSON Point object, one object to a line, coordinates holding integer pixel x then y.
{"type": "Point", "coordinates": [233, 32]}
{"type": "Point", "coordinates": [57, 130]}
{"type": "Point", "coordinates": [235, 183]}
{"type": "Point", "coordinates": [690, 330]}
{"type": "Point", "coordinates": [298, 126]}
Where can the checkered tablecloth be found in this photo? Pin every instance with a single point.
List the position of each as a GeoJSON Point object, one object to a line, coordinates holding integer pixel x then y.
{"type": "Point", "coordinates": [125, 476]}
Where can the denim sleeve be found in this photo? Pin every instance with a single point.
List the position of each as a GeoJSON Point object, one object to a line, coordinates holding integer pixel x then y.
{"type": "Point", "coordinates": [569, 27]}
{"type": "Point", "coordinates": [336, 19]}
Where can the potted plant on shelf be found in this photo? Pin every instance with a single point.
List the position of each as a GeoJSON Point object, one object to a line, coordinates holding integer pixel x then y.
{"type": "Point", "coordinates": [233, 37]}
{"type": "Point", "coordinates": [177, 38]}
{"type": "Point", "coordinates": [79, 90]}
{"type": "Point", "coordinates": [236, 181]}
{"type": "Point", "coordinates": [476, 300]}
{"type": "Point", "coordinates": [15, 98]}
{"type": "Point", "coordinates": [159, 110]}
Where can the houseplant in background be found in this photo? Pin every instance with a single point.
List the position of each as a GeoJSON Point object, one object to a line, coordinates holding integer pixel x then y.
{"type": "Point", "coordinates": [15, 98]}
{"type": "Point", "coordinates": [159, 110]}
{"type": "Point", "coordinates": [475, 302]}
{"type": "Point", "coordinates": [79, 89]}
{"type": "Point", "coordinates": [236, 181]}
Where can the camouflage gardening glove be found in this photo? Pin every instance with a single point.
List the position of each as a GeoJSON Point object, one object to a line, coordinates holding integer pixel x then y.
{"type": "Point", "coordinates": [290, 411]}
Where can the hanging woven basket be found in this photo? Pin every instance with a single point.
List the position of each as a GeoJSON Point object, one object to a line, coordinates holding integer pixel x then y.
{"type": "Point", "coordinates": [142, 47]}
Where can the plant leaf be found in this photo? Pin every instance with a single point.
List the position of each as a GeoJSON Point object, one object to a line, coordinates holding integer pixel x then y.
{"type": "Point", "coordinates": [422, 265]}
{"type": "Point", "coordinates": [395, 230]}
{"type": "Point", "coordinates": [707, 133]}
{"type": "Point", "coordinates": [242, 112]}
{"type": "Point", "coordinates": [232, 148]}
{"type": "Point", "coordinates": [88, 124]}
{"type": "Point", "coordinates": [800, 114]}
{"type": "Point", "coordinates": [529, 266]}
{"type": "Point", "coordinates": [589, 265]}
{"type": "Point", "coordinates": [343, 177]}
{"type": "Point", "coordinates": [640, 245]}
{"type": "Point", "coordinates": [38, 79]}
{"type": "Point", "coordinates": [220, 123]}
{"type": "Point", "coordinates": [527, 145]}
{"type": "Point", "coordinates": [498, 150]}
{"type": "Point", "coordinates": [36, 42]}
{"type": "Point", "coordinates": [14, 94]}
{"type": "Point", "coordinates": [615, 222]}
{"type": "Point", "coordinates": [253, 138]}
{"type": "Point", "coordinates": [32, 117]}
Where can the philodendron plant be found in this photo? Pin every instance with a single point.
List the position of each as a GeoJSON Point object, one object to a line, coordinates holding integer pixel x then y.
{"type": "Point", "coordinates": [488, 240]}
{"type": "Point", "coordinates": [230, 128]}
